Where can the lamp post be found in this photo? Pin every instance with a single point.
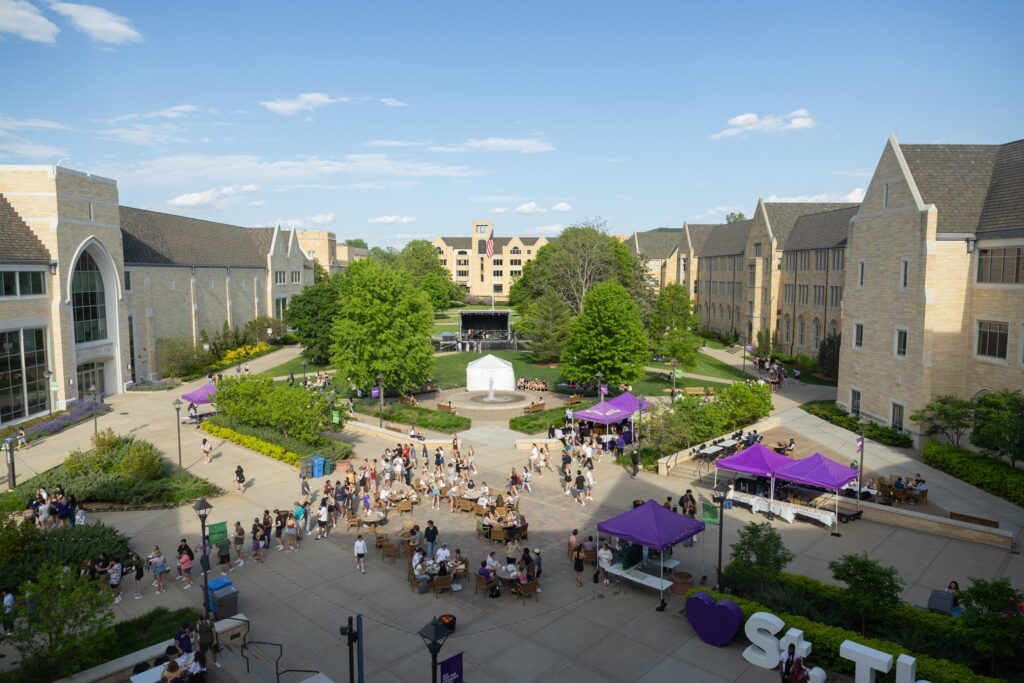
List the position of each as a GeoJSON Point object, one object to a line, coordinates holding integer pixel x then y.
{"type": "Point", "coordinates": [304, 364]}
{"type": "Point", "coordinates": [434, 634]}
{"type": "Point", "coordinates": [380, 395]}
{"type": "Point", "coordinates": [720, 490]}
{"type": "Point", "coordinates": [352, 638]}
{"type": "Point", "coordinates": [330, 407]}
{"type": "Point", "coordinates": [95, 424]}
{"type": "Point", "coordinates": [202, 509]}
{"type": "Point", "coordinates": [674, 363]}
{"type": "Point", "coordinates": [599, 376]}
{"type": "Point", "coordinates": [177, 410]}
{"type": "Point", "coordinates": [9, 447]}
{"type": "Point", "coordinates": [47, 375]}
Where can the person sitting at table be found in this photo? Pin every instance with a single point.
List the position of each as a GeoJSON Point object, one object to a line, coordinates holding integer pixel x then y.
{"type": "Point", "coordinates": [791, 445]}
{"type": "Point", "coordinates": [470, 485]}
{"type": "Point", "coordinates": [919, 489]}
{"type": "Point", "coordinates": [499, 501]}
{"type": "Point", "coordinates": [417, 557]}
{"type": "Point", "coordinates": [458, 563]}
{"type": "Point", "coordinates": [492, 562]}
{"type": "Point", "coordinates": [442, 554]}
{"type": "Point", "coordinates": [414, 433]}
{"type": "Point", "coordinates": [442, 569]}
{"type": "Point", "coordinates": [420, 573]}
{"type": "Point", "coordinates": [484, 490]}
{"type": "Point", "coordinates": [521, 578]}
{"type": "Point", "coordinates": [482, 501]}
{"type": "Point", "coordinates": [485, 571]}
{"type": "Point", "coordinates": [590, 545]}
{"type": "Point", "coordinates": [510, 498]}
{"type": "Point", "coordinates": [899, 483]}
{"type": "Point", "coordinates": [197, 669]}
{"type": "Point", "coordinates": [172, 672]}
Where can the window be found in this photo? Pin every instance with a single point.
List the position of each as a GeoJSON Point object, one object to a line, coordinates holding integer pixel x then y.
{"type": "Point", "coordinates": [819, 295]}
{"type": "Point", "coordinates": [8, 283]}
{"type": "Point", "coordinates": [496, 261]}
{"type": "Point", "coordinates": [904, 273]}
{"type": "Point", "coordinates": [92, 214]}
{"type": "Point", "coordinates": [127, 280]}
{"type": "Point", "coordinates": [860, 273]}
{"type": "Point", "coordinates": [897, 413]}
{"type": "Point", "coordinates": [835, 295]}
{"type": "Point", "coordinates": [22, 393]}
{"type": "Point", "coordinates": [278, 277]}
{"type": "Point", "coordinates": [462, 273]}
{"type": "Point", "coordinates": [821, 259]}
{"type": "Point", "coordinates": [750, 308]}
{"type": "Point", "coordinates": [529, 251]}
{"type": "Point", "coordinates": [296, 277]}
{"type": "Point", "coordinates": [23, 283]}
{"type": "Point", "coordinates": [481, 247]}
{"type": "Point", "coordinates": [280, 305]}
{"type": "Point", "coordinates": [787, 329]}
{"type": "Point", "coordinates": [1002, 266]}
{"type": "Point", "coordinates": [858, 335]}
{"type": "Point", "coordinates": [855, 402]}
{"type": "Point", "coordinates": [444, 262]}
{"type": "Point", "coordinates": [901, 343]}
{"type": "Point", "coordinates": [787, 293]}
{"type": "Point", "coordinates": [801, 294]}
{"type": "Point", "coordinates": [751, 275]}
{"type": "Point", "coordinates": [838, 259]}
{"type": "Point", "coordinates": [516, 251]}
{"type": "Point", "coordinates": [497, 289]}
{"type": "Point", "coordinates": [757, 249]}
{"type": "Point", "coordinates": [833, 328]}
{"type": "Point", "coordinates": [790, 261]}
{"type": "Point", "coordinates": [800, 331]}
{"type": "Point", "coordinates": [816, 328]}
{"type": "Point", "coordinates": [462, 252]}
{"type": "Point", "coordinates": [805, 260]}
{"type": "Point", "coordinates": [88, 301]}
{"type": "Point", "coordinates": [885, 196]}
{"type": "Point", "coordinates": [992, 338]}
{"type": "Point", "coordinates": [497, 273]}
{"type": "Point", "coordinates": [462, 262]}
{"type": "Point", "coordinates": [515, 273]}
{"type": "Point", "coordinates": [515, 262]}
{"type": "Point", "coordinates": [481, 228]}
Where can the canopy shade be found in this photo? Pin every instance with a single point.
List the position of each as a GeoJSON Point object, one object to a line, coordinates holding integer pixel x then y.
{"type": "Point", "coordinates": [817, 470]}
{"type": "Point", "coordinates": [203, 394]}
{"type": "Point", "coordinates": [612, 411]}
{"type": "Point", "coordinates": [651, 525]}
{"type": "Point", "coordinates": [758, 459]}
{"type": "Point", "coordinates": [628, 401]}
{"type": "Point", "coordinates": [483, 372]}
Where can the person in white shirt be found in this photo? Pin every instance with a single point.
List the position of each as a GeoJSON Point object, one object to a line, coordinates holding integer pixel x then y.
{"type": "Point", "coordinates": [417, 557]}
{"type": "Point", "coordinates": [321, 522]}
{"type": "Point", "coordinates": [482, 501]}
{"type": "Point", "coordinates": [604, 561]}
{"type": "Point", "coordinates": [492, 562]}
{"type": "Point", "coordinates": [442, 553]}
{"type": "Point", "coordinates": [359, 550]}
{"type": "Point", "coordinates": [484, 491]}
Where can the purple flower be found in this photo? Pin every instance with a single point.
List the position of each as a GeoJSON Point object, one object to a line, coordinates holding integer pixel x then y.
{"type": "Point", "coordinates": [79, 411]}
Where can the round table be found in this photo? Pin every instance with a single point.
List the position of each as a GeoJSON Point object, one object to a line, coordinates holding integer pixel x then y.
{"type": "Point", "coordinates": [372, 520]}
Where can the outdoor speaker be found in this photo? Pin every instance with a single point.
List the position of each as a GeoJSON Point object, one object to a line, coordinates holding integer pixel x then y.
{"type": "Point", "coordinates": [941, 601]}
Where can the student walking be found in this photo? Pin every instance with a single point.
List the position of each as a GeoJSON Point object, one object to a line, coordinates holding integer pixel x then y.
{"type": "Point", "coordinates": [136, 566]}
{"type": "Point", "coordinates": [359, 550]}
{"type": "Point", "coordinates": [207, 450]}
{"type": "Point", "coordinates": [240, 479]}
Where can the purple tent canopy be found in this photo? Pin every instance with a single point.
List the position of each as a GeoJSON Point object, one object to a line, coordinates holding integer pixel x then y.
{"type": "Point", "coordinates": [758, 459]}
{"type": "Point", "coordinates": [203, 394]}
{"type": "Point", "coordinates": [628, 401]}
{"type": "Point", "coordinates": [817, 470]}
{"type": "Point", "coordinates": [651, 525]}
{"type": "Point", "coordinates": [614, 410]}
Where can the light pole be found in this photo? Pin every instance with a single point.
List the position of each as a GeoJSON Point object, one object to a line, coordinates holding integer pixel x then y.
{"type": "Point", "coordinates": [9, 447]}
{"type": "Point", "coordinates": [434, 634]}
{"type": "Point", "coordinates": [202, 509]}
{"type": "Point", "coordinates": [351, 635]}
{"type": "Point", "coordinates": [304, 364]}
{"type": "Point", "coordinates": [674, 363]}
{"type": "Point", "coordinates": [330, 407]}
{"type": "Point", "coordinates": [380, 395]}
{"type": "Point", "coordinates": [47, 375]}
{"type": "Point", "coordinates": [720, 490]}
{"type": "Point", "coordinates": [95, 425]}
{"type": "Point", "coordinates": [599, 376]}
{"type": "Point", "coordinates": [177, 411]}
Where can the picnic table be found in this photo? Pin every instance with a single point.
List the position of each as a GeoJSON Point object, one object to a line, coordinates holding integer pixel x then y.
{"type": "Point", "coordinates": [154, 674]}
{"type": "Point", "coordinates": [637, 576]}
{"type": "Point", "coordinates": [711, 452]}
{"type": "Point", "coordinates": [787, 511]}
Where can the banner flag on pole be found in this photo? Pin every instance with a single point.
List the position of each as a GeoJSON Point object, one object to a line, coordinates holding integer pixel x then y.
{"type": "Point", "coordinates": [490, 245]}
{"type": "Point", "coordinates": [860, 445]}
{"type": "Point", "coordinates": [374, 392]}
{"type": "Point", "coordinates": [604, 389]}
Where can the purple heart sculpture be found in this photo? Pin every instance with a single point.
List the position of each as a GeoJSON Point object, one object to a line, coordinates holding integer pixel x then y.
{"type": "Point", "coordinates": [715, 622]}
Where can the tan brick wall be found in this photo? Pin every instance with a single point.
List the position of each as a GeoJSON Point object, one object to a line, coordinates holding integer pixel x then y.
{"type": "Point", "coordinates": [792, 312]}
{"type": "Point", "coordinates": [730, 310]}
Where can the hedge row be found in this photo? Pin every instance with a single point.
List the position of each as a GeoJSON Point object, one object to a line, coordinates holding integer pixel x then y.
{"type": "Point", "coordinates": [261, 446]}
{"type": "Point", "coordinates": [988, 474]}
{"type": "Point", "coordinates": [426, 418]}
{"type": "Point", "coordinates": [327, 448]}
{"type": "Point", "coordinates": [828, 639]}
{"type": "Point", "coordinates": [830, 412]}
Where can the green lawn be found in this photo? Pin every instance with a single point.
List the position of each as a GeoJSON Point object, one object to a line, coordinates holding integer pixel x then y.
{"type": "Point", "coordinates": [294, 366]}
{"type": "Point", "coordinates": [706, 365]}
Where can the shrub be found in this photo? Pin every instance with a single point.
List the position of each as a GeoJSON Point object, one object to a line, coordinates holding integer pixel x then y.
{"type": "Point", "coordinates": [416, 415]}
{"type": "Point", "coordinates": [829, 411]}
{"type": "Point", "coordinates": [272, 443]}
{"type": "Point", "coordinates": [243, 353]}
{"type": "Point", "coordinates": [26, 548]}
{"type": "Point", "coordinates": [141, 462]}
{"type": "Point", "coordinates": [253, 443]}
{"type": "Point", "coordinates": [828, 639]}
{"type": "Point", "coordinates": [292, 411]}
{"type": "Point", "coordinates": [988, 474]}
{"type": "Point", "coordinates": [539, 422]}
{"type": "Point", "coordinates": [178, 356]}
{"type": "Point", "coordinates": [81, 463]}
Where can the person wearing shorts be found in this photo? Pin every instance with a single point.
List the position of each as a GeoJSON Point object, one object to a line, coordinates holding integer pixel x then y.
{"type": "Point", "coordinates": [114, 575]}
{"type": "Point", "coordinates": [239, 540]}
{"type": "Point", "coordinates": [208, 639]}
{"type": "Point", "coordinates": [321, 521]}
{"type": "Point", "coordinates": [207, 449]}
{"type": "Point", "coordinates": [224, 556]}
{"type": "Point", "coordinates": [279, 523]}
{"type": "Point", "coordinates": [138, 566]}
{"type": "Point", "coordinates": [158, 565]}
{"type": "Point", "coordinates": [240, 479]}
{"type": "Point", "coordinates": [185, 567]}
{"type": "Point", "coordinates": [359, 550]}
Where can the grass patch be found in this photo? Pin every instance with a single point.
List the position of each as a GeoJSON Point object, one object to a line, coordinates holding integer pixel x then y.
{"type": "Point", "coordinates": [151, 628]}
{"type": "Point", "coordinates": [416, 415]}
{"type": "Point", "coordinates": [295, 449]}
{"type": "Point", "coordinates": [448, 320]}
{"type": "Point", "coordinates": [294, 367]}
{"type": "Point", "coordinates": [829, 411]}
{"type": "Point", "coordinates": [712, 367]}
{"type": "Point", "coordinates": [450, 369]}
{"type": "Point", "coordinates": [536, 423]}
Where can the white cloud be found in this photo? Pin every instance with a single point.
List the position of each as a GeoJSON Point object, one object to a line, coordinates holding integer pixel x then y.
{"type": "Point", "coordinates": [307, 101]}
{"type": "Point", "coordinates": [217, 197]}
{"type": "Point", "coordinates": [22, 19]}
{"type": "Point", "coordinates": [318, 219]}
{"type": "Point", "coordinates": [144, 134]}
{"type": "Point", "coordinates": [7, 123]}
{"type": "Point", "coordinates": [389, 185]}
{"type": "Point", "coordinates": [546, 230]}
{"type": "Point", "coordinates": [530, 207]}
{"type": "Point", "coordinates": [392, 102]}
{"type": "Point", "coordinates": [19, 146]}
{"type": "Point", "coordinates": [178, 111]}
{"type": "Point", "coordinates": [561, 207]}
{"type": "Point", "coordinates": [496, 198]}
{"type": "Point", "coordinates": [322, 218]}
{"type": "Point", "coordinates": [500, 209]}
{"type": "Point", "coordinates": [396, 143]}
{"type": "Point", "coordinates": [770, 123]}
{"type": "Point", "coordinates": [258, 202]}
{"type": "Point", "coordinates": [616, 160]}
{"type": "Point", "coordinates": [855, 195]}
{"type": "Point", "coordinates": [393, 219]}
{"type": "Point", "coordinates": [715, 214]}
{"type": "Point", "coordinates": [99, 24]}
{"type": "Point", "coordinates": [521, 145]}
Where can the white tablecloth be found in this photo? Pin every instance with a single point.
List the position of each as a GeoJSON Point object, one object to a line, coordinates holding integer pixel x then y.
{"type": "Point", "coordinates": [787, 511]}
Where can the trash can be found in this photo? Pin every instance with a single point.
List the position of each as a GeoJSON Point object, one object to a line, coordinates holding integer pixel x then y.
{"type": "Point", "coordinates": [318, 467]}
{"type": "Point", "coordinates": [306, 467]}
{"type": "Point", "coordinates": [225, 602]}
{"type": "Point", "coordinates": [215, 585]}
{"type": "Point", "coordinates": [328, 466]}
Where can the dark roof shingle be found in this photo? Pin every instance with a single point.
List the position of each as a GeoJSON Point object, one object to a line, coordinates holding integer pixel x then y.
{"type": "Point", "coordinates": [458, 242]}
{"type": "Point", "coordinates": [955, 178]}
{"type": "Point", "coordinates": [17, 241]}
{"type": "Point", "coordinates": [726, 239]}
{"type": "Point", "coordinates": [821, 230]}
{"type": "Point", "coordinates": [782, 216]}
{"type": "Point", "coordinates": [699, 233]}
{"type": "Point", "coordinates": [658, 243]}
{"type": "Point", "coordinates": [1004, 203]}
{"type": "Point", "coordinates": [154, 238]}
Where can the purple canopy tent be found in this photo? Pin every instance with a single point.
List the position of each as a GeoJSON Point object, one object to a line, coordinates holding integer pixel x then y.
{"type": "Point", "coordinates": [817, 470]}
{"type": "Point", "coordinates": [652, 526]}
{"type": "Point", "coordinates": [203, 394]}
{"type": "Point", "coordinates": [628, 401]}
{"type": "Point", "coordinates": [758, 460]}
{"type": "Point", "coordinates": [613, 410]}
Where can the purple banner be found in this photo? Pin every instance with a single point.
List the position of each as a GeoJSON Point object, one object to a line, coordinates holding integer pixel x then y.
{"type": "Point", "coordinates": [451, 669]}
{"type": "Point", "coordinates": [604, 389]}
{"type": "Point", "coordinates": [374, 392]}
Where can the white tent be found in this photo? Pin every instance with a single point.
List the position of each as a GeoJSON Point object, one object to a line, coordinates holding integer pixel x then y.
{"type": "Point", "coordinates": [482, 371]}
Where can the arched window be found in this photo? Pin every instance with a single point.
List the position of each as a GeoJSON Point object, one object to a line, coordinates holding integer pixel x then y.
{"type": "Point", "coordinates": [721, 311]}
{"type": "Point", "coordinates": [88, 303]}
{"type": "Point", "coordinates": [816, 326]}
{"type": "Point", "coordinates": [833, 328]}
{"type": "Point", "coordinates": [787, 328]}
{"type": "Point", "coordinates": [800, 331]}
{"type": "Point", "coordinates": [728, 312]}
{"type": "Point", "coordinates": [515, 250]}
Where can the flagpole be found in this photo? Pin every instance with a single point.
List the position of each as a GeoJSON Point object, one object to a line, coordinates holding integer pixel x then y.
{"type": "Point", "coordinates": [860, 473]}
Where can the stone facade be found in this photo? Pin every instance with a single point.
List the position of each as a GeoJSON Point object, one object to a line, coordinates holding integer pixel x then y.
{"type": "Point", "coordinates": [322, 246]}
{"type": "Point", "coordinates": [482, 276]}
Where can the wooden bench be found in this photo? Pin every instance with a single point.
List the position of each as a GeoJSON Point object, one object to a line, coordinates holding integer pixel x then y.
{"type": "Point", "coordinates": [534, 408]}
{"type": "Point", "coordinates": [971, 519]}
{"type": "Point", "coordinates": [575, 399]}
{"type": "Point", "coordinates": [446, 408]}
{"type": "Point", "coordinates": [394, 428]}
{"type": "Point", "coordinates": [694, 391]}
{"type": "Point", "coordinates": [407, 400]}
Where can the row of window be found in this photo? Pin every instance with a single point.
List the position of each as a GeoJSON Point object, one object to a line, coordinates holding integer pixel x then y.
{"type": "Point", "coordinates": [801, 331]}
{"type": "Point", "coordinates": [725, 288]}
{"type": "Point", "coordinates": [280, 277]}
{"type": "Point", "coordinates": [24, 389]}
{"type": "Point", "coordinates": [801, 260]}
{"type": "Point", "coordinates": [22, 283]}
{"type": "Point", "coordinates": [1001, 266]}
{"type": "Point", "coordinates": [991, 341]}
{"type": "Point", "coordinates": [896, 418]}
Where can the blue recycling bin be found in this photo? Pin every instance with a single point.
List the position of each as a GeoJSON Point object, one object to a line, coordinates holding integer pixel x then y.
{"type": "Point", "coordinates": [223, 598]}
{"type": "Point", "coordinates": [318, 467]}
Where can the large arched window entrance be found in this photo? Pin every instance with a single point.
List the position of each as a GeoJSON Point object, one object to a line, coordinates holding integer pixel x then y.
{"type": "Point", "coordinates": [93, 294]}
{"type": "Point", "coordinates": [88, 304]}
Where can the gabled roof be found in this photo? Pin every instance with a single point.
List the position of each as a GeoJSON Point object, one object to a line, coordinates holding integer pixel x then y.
{"type": "Point", "coordinates": [782, 216]}
{"type": "Point", "coordinates": [658, 243]}
{"type": "Point", "coordinates": [1004, 202]}
{"type": "Point", "coordinates": [821, 230]}
{"type": "Point", "coordinates": [155, 238]}
{"type": "Point", "coordinates": [955, 178]}
{"type": "Point", "coordinates": [529, 241]}
{"type": "Point", "coordinates": [698, 234]}
{"type": "Point", "coordinates": [458, 242]}
{"type": "Point", "coordinates": [726, 240]}
{"type": "Point", "coordinates": [18, 242]}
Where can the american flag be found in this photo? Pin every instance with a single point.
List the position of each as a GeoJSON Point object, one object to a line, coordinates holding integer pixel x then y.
{"type": "Point", "coordinates": [490, 245]}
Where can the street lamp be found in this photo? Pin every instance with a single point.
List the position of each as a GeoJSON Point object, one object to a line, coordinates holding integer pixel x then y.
{"type": "Point", "coordinates": [9, 447]}
{"type": "Point", "coordinates": [720, 490]}
{"type": "Point", "coordinates": [202, 509]}
{"type": "Point", "coordinates": [380, 394]}
{"type": "Point", "coordinates": [177, 410]}
{"type": "Point", "coordinates": [599, 376]}
{"type": "Point", "coordinates": [330, 406]}
{"type": "Point", "coordinates": [304, 364]}
{"type": "Point", "coordinates": [674, 363]}
{"type": "Point", "coordinates": [47, 375]}
{"type": "Point", "coordinates": [95, 425]}
{"type": "Point", "coordinates": [434, 634]}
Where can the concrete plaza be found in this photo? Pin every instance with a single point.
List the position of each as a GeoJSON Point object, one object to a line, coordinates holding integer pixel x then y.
{"type": "Point", "coordinates": [593, 633]}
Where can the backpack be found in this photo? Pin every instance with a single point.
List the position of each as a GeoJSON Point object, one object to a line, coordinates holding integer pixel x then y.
{"type": "Point", "coordinates": [495, 592]}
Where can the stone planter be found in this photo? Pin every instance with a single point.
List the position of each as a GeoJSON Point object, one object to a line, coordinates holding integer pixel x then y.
{"type": "Point", "coordinates": [682, 582]}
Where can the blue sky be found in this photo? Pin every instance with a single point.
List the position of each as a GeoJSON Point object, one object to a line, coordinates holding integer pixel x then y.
{"type": "Point", "coordinates": [395, 121]}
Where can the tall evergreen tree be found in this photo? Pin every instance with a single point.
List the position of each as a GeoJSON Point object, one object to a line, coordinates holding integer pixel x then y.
{"type": "Point", "coordinates": [545, 327]}
{"type": "Point", "coordinates": [608, 337]}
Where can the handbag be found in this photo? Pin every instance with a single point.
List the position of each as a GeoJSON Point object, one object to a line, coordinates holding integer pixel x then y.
{"type": "Point", "coordinates": [597, 575]}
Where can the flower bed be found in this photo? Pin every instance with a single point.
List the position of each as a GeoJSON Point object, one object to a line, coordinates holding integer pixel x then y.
{"type": "Point", "coordinates": [48, 425]}
{"type": "Point", "coordinates": [271, 443]}
{"type": "Point", "coordinates": [830, 412]}
{"type": "Point", "coordinates": [988, 474]}
{"type": "Point", "coordinates": [233, 357]}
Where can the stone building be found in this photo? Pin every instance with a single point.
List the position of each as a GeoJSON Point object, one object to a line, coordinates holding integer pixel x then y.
{"type": "Point", "coordinates": [660, 251]}
{"type": "Point", "coordinates": [486, 276]}
{"type": "Point", "coordinates": [89, 286]}
{"type": "Point", "coordinates": [322, 246]}
{"type": "Point", "coordinates": [719, 282]}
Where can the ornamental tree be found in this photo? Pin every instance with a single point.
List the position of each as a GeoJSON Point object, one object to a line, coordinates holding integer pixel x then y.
{"type": "Point", "coordinates": [311, 313]}
{"type": "Point", "coordinates": [870, 587]}
{"type": "Point", "coordinates": [948, 416]}
{"type": "Point", "coordinates": [999, 424]}
{"type": "Point", "coordinates": [759, 553]}
{"type": "Point", "coordinates": [992, 616]}
{"type": "Point", "coordinates": [670, 326]}
{"type": "Point", "coordinates": [607, 337]}
{"type": "Point", "coordinates": [382, 328]}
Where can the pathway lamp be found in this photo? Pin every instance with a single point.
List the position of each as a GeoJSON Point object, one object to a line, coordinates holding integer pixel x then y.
{"type": "Point", "coordinates": [202, 509]}
{"type": "Point", "coordinates": [434, 634]}
{"type": "Point", "coordinates": [177, 410]}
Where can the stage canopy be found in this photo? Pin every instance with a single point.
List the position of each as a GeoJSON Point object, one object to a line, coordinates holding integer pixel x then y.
{"type": "Point", "coordinates": [758, 459]}
{"type": "Point", "coordinates": [817, 470]}
{"type": "Point", "coordinates": [613, 411]}
{"type": "Point", "coordinates": [481, 372]}
{"type": "Point", "coordinates": [651, 525]}
{"type": "Point", "coordinates": [203, 394]}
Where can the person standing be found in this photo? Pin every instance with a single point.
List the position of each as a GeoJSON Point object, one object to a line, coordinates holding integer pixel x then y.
{"type": "Point", "coordinates": [8, 607]}
{"type": "Point", "coordinates": [579, 488]}
{"type": "Point", "coordinates": [158, 565]}
{"type": "Point", "coordinates": [224, 556]}
{"type": "Point", "coordinates": [577, 565]}
{"type": "Point", "coordinates": [604, 562]}
{"type": "Point", "coordinates": [359, 550]}
{"type": "Point", "coordinates": [430, 536]}
{"type": "Point", "coordinates": [185, 567]}
{"type": "Point", "coordinates": [240, 479]}
{"type": "Point", "coordinates": [786, 660]}
{"type": "Point", "coordinates": [238, 538]}
{"type": "Point", "coordinates": [183, 549]}
{"type": "Point", "coordinates": [321, 520]}
{"type": "Point", "coordinates": [208, 639]}
{"type": "Point", "coordinates": [136, 566]}
{"type": "Point", "coordinates": [280, 517]}
{"type": "Point", "coordinates": [114, 574]}
{"type": "Point", "coordinates": [304, 492]}
{"type": "Point", "coordinates": [634, 459]}
{"type": "Point", "coordinates": [207, 450]}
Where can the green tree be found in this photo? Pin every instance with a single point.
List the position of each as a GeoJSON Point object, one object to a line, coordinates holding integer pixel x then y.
{"type": "Point", "coordinates": [759, 552]}
{"type": "Point", "coordinates": [386, 257]}
{"type": "Point", "coordinates": [744, 403]}
{"type": "Point", "coordinates": [545, 327]}
{"type": "Point", "coordinates": [765, 343]}
{"type": "Point", "coordinates": [670, 326]}
{"type": "Point", "coordinates": [607, 337]}
{"type": "Point", "coordinates": [319, 272]}
{"type": "Point", "coordinates": [581, 257]}
{"type": "Point", "coordinates": [948, 416]}
{"type": "Point", "coordinates": [256, 329]}
{"type": "Point", "coordinates": [298, 412]}
{"type": "Point", "coordinates": [383, 328]}
{"type": "Point", "coordinates": [61, 620]}
{"type": "Point", "coordinates": [20, 544]}
{"type": "Point", "coordinates": [419, 261]}
{"type": "Point", "coordinates": [245, 399]}
{"type": "Point", "coordinates": [870, 587]}
{"type": "Point", "coordinates": [311, 313]}
{"type": "Point", "coordinates": [828, 355]}
{"type": "Point", "coordinates": [735, 217]}
{"type": "Point", "coordinates": [999, 424]}
{"type": "Point", "coordinates": [990, 615]}
{"type": "Point", "coordinates": [356, 242]}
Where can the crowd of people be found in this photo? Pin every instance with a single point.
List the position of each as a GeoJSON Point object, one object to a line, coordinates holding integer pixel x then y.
{"type": "Point", "coordinates": [186, 659]}
{"type": "Point", "coordinates": [53, 510]}
{"type": "Point", "coordinates": [773, 373]}
{"type": "Point", "coordinates": [524, 384]}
